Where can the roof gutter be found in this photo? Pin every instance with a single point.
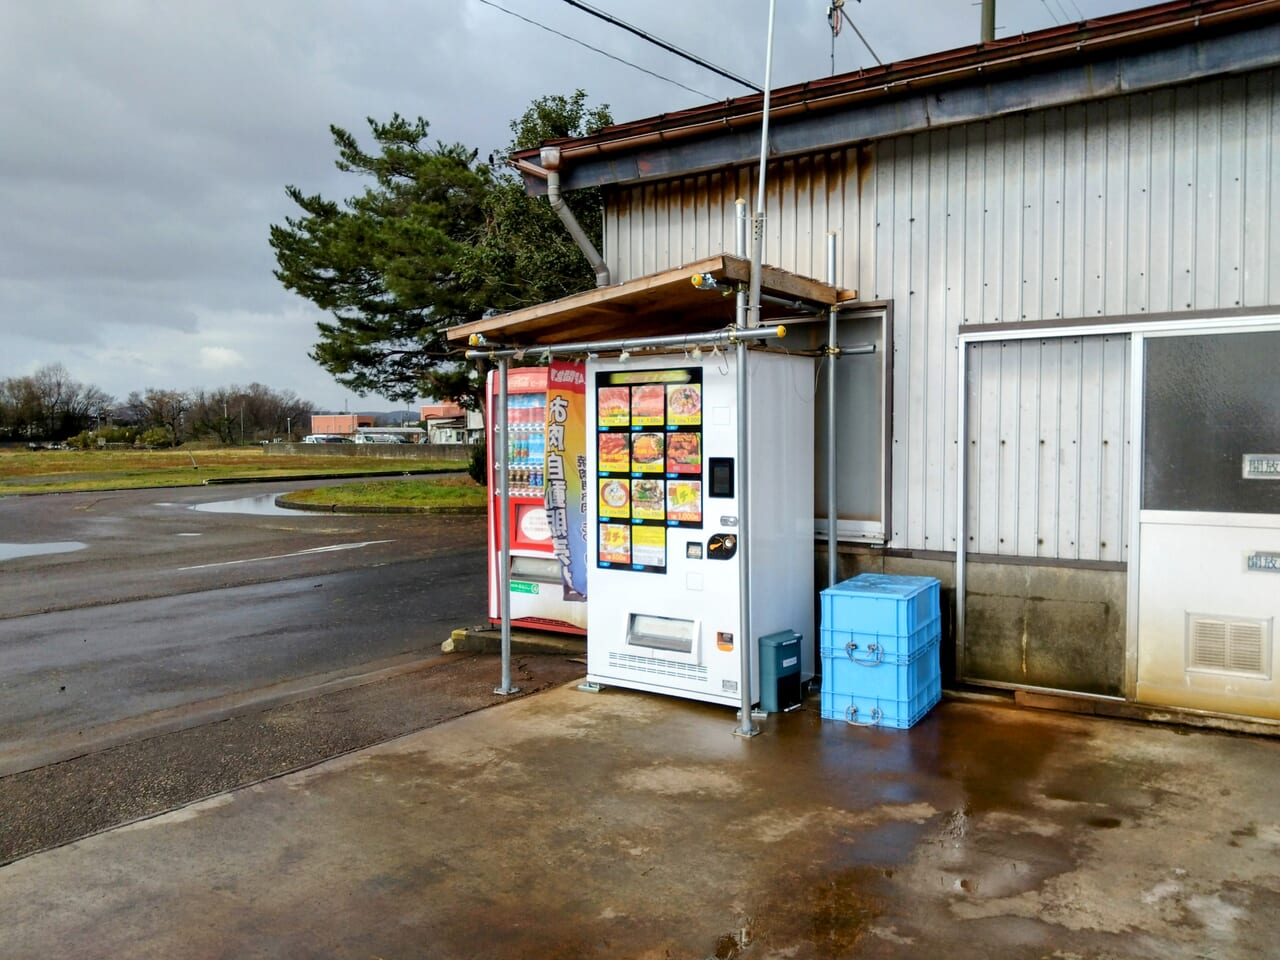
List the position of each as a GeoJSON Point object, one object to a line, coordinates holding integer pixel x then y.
{"type": "Point", "coordinates": [550, 172]}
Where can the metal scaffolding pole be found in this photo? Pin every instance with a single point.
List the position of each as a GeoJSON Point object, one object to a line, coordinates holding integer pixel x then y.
{"type": "Point", "coordinates": [715, 338]}
{"type": "Point", "coordinates": [833, 351]}
{"type": "Point", "coordinates": [504, 531]}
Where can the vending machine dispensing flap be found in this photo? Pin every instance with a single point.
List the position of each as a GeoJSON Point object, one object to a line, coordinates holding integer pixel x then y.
{"type": "Point", "coordinates": [662, 633]}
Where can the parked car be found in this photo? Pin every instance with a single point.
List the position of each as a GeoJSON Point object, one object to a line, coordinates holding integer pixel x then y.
{"type": "Point", "coordinates": [326, 438]}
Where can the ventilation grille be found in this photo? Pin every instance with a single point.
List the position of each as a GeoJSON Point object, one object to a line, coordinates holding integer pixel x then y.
{"type": "Point", "coordinates": [653, 665]}
{"type": "Point", "coordinates": [1229, 645]}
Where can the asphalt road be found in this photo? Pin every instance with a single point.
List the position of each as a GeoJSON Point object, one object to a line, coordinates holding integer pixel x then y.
{"type": "Point", "coordinates": [167, 607]}
{"type": "Point", "coordinates": [166, 647]}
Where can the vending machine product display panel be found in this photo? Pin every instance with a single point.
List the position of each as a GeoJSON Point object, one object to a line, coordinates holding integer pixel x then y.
{"type": "Point", "coordinates": [649, 463]}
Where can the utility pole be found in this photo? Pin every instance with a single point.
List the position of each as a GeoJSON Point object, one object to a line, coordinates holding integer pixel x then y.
{"type": "Point", "coordinates": [988, 20]}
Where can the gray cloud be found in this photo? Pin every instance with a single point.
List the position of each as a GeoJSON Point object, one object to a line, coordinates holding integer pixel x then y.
{"type": "Point", "coordinates": [145, 146]}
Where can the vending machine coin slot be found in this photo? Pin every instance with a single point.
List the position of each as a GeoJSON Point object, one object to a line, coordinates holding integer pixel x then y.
{"type": "Point", "coordinates": [722, 546]}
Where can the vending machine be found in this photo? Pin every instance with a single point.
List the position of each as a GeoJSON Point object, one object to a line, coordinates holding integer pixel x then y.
{"type": "Point", "coordinates": [539, 599]}
{"type": "Point", "coordinates": [664, 557]}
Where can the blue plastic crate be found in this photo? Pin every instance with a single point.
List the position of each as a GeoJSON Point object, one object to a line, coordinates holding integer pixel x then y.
{"type": "Point", "coordinates": [879, 647]}
{"type": "Point", "coordinates": [881, 603]}
{"type": "Point", "coordinates": [863, 711]}
{"type": "Point", "coordinates": [882, 680]}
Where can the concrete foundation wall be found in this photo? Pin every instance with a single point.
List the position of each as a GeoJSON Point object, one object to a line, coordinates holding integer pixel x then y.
{"type": "Point", "coordinates": [378, 451]}
{"type": "Point", "coordinates": [1060, 628]}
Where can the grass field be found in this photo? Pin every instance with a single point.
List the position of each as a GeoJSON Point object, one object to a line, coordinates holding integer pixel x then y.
{"type": "Point", "coordinates": [68, 471]}
{"type": "Point", "coordinates": [450, 492]}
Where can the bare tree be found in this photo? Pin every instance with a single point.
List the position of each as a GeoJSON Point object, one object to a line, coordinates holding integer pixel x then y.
{"type": "Point", "coordinates": [49, 404]}
{"type": "Point", "coordinates": [160, 408]}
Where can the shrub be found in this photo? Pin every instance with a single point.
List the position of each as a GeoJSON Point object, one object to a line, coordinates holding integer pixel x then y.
{"type": "Point", "coordinates": [114, 434]}
{"type": "Point", "coordinates": [478, 469]}
{"type": "Point", "coordinates": [156, 437]}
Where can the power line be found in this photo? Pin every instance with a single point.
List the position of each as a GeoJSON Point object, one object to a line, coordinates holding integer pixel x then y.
{"type": "Point", "coordinates": [604, 53]}
{"type": "Point", "coordinates": [670, 48]}
{"type": "Point", "coordinates": [1049, 10]}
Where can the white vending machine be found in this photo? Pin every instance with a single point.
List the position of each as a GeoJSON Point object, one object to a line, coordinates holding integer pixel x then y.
{"type": "Point", "coordinates": [664, 552]}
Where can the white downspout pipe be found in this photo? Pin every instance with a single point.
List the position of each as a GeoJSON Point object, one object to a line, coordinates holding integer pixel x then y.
{"type": "Point", "coordinates": [550, 157]}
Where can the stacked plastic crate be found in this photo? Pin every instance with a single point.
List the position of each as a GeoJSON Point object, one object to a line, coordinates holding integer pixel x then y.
{"type": "Point", "coordinates": [880, 640]}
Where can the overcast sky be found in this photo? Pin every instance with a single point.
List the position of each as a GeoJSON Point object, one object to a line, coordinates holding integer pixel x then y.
{"type": "Point", "coordinates": [145, 145]}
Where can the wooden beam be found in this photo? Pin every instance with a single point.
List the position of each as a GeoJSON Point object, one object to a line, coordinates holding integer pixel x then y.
{"type": "Point", "coordinates": [656, 302]}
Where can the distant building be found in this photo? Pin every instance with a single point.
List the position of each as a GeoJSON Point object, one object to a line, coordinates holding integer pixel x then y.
{"type": "Point", "coordinates": [341, 424]}
{"type": "Point", "coordinates": [449, 423]}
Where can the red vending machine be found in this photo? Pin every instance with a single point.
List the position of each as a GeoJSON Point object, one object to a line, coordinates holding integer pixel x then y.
{"type": "Point", "coordinates": [537, 591]}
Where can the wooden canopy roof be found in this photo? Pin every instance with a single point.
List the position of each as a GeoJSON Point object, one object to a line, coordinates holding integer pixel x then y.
{"type": "Point", "coordinates": [654, 305]}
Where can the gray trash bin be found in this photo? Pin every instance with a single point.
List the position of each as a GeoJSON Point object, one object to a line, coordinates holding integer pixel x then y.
{"type": "Point", "coordinates": [780, 671]}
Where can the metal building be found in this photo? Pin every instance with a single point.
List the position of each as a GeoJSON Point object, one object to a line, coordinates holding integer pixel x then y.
{"type": "Point", "coordinates": [1067, 246]}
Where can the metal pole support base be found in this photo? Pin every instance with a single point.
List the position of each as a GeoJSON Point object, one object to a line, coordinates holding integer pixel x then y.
{"type": "Point", "coordinates": [753, 730]}
{"type": "Point", "coordinates": [588, 687]}
{"type": "Point", "coordinates": [507, 692]}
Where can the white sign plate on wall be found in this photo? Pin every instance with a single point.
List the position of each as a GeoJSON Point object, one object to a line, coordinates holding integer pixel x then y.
{"type": "Point", "coordinates": [1262, 466]}
{"type": "Point", "coordinates": [1261, 561]}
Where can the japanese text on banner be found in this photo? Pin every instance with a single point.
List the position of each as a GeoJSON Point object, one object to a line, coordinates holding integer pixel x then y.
{"type": "Point", "coordinates": [566, 489]}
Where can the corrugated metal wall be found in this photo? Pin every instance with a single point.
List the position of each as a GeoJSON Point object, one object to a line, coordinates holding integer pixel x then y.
{"type": "Point", "coordinates": [1163, 201]}
{"type": "Point", "coordinates": [1049, 447]}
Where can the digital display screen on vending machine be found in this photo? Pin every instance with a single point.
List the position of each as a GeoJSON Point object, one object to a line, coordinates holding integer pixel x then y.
{"type": "Point", "coordinates": [721, 477]}
{"type": "Point", "coordinates": [649, 471]}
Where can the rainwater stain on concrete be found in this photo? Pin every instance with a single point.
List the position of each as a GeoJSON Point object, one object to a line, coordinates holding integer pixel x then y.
{"type": "Point", "coordinates": [675, 781]}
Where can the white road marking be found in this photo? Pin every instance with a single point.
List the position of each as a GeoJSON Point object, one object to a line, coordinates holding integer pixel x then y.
{"type": "Point", "coordinates": [284, 556]}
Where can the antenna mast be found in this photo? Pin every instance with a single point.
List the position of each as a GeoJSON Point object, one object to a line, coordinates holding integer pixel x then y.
{"type": "Point", "coordinates": [834, 19]}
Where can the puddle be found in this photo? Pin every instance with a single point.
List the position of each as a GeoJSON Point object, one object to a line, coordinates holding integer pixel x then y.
{"type": "Point", "coordinates": [263, 505]}
{"type": "Point", "coordinates": [11, 551]}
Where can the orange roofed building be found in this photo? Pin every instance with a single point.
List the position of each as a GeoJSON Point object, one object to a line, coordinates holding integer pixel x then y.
{"type": "Point", "coordinates": [344, 424]}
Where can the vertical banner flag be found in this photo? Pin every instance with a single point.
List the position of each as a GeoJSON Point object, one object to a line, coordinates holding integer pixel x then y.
{"type": "Point", "coordinates": [566, 472]}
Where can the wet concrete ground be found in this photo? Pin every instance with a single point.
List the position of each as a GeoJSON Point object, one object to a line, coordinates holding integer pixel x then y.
{"type": "Point", "coordinates": [628, 825]}
{"type": "Point", "coordinates": [151, 772]}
